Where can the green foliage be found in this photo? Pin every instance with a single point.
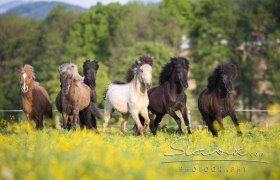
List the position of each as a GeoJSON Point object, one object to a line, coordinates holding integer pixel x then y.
{"type": "Point", "coordinates": [243, 32]}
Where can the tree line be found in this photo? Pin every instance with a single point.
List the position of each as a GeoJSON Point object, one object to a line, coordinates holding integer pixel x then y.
{"type": "Point", "coordinates": [245, 33]}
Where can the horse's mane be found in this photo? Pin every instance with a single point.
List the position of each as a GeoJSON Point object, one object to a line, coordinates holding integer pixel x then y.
{"type": "Point", "coordinates": [139, 61]}
{"type": "Point", "coordinates": [226, 68]}
{"type": "Point", "coordinates": [29, 70]}
{"type": "Point", "coordinates": [169, 67]}
{"type": "Point", "coordinates": [72, 69]}
{"type": "Point", "coordinates": [90, 64]}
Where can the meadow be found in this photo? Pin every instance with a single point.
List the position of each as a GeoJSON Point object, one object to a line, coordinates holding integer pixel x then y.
{"type": "Point", "coordinates": [59, 154]}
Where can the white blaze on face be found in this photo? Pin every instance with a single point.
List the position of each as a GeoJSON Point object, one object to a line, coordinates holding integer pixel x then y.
{"type": "Point", "coordinates": [24, 88]}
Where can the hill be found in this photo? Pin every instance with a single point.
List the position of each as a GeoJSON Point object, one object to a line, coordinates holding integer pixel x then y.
{"type": "Point", "coordinates": [39, 10]}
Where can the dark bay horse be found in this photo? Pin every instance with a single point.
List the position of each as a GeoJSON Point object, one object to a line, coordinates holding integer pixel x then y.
{"type": "Point", "coordinates": [169, 96]}
{"type": "Point", "coordinates": [73, 97]}
{"type": "Point", "coordinates": [217, 102]}
{"type": "Point", "coordinates": [90, 70]}
{"type": "Point", "coordinates": [34, 99]}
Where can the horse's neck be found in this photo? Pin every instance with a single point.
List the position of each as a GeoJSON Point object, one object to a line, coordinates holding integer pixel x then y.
{"type": "Point", "coordinates": [175, 87]}
{"type": "Point", "coordinates": [138, 88]}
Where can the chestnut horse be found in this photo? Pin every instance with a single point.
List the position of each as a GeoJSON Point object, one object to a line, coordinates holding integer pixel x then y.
{"type": "Point", "coordinates": [73, 97]}
{"type": "Point", "coordinates": [34, 99]}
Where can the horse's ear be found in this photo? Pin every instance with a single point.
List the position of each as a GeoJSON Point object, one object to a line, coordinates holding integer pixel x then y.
{"type": "Point", "coordinates": [19, 69]}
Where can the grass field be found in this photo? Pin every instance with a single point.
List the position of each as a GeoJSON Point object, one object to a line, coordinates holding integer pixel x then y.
{"type": "Point", "coordinates": [59, 154]}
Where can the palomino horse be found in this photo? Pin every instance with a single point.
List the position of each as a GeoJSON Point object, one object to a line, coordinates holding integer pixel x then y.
{"type": "Point", "coordinates": [217, 102]}
{"type": "Point", "coordinates": [130, 98]}
{"type": "Point", "coordinates": [74, 95]}
{"type": "Point", "coordinates": [169, 96]}
{"type": "Point", "coordinates": [34, 99]}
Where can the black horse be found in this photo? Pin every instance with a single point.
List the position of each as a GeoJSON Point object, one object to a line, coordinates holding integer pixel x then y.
{"type": "Point", "coordinates": [217, 102]}
{"type": "Point", "coordinates": [169, 96]}
{"type": "Point", "coordinates": [90, 70]}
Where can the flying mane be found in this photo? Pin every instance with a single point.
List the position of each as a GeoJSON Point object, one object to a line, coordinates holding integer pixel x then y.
{"type": "Point", "coordinates": [139, 61]}
{"type": "Point", "coordinates": [70, 68]}
{"type": "Point", "coordinates": [169, 67]}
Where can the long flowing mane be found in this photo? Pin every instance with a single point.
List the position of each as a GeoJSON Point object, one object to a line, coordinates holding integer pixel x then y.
{"type": "Point", "coordinates": [29, 70]}
{"type": "Point", "coordinates": [169, 68]}
{"type": "Point", "coordinates": [229, 69]}
{"type": "Point", "coordinates": [138, 62]}
{"type": "Point", "coordinates": [165, 73]}
{"type": "Point", "coordinates": [72, 69]}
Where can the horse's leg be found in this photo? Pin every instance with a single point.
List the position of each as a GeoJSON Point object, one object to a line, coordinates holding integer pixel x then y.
{"type": "Point", "coordinates": [74, 118]}
{"type": "Point", "coordinates": [145, 114]}
{"type": "Point", "coordinates": [65, 120]}
{"type": "Point", "coordinates": [107, 114]}
{"type": "Point", "coordinates": [222, 128]}
{"type": "Point", "coordinates": [40, 122]}
{"type": "Point", "coordinates": [209, 123]}
{"type": "Point", "coordinates": [184, 111]}
{"type": "Point", "coordinates": [236, 123]}
{"type": "Point", "coordinates": [178, 121]}
{"type": "Point", "coordinates": [29, 120]}
{"type": "Point", "coordinates": [157, 121]}
{"type": "Point", "coordinates": [81, 117]}
{"type": "Point", "coordinates": [123, 125]}
{"type": "Point", "coordinates": [135, 116]}
{"type": "Point", "coordinates": [152, 126]}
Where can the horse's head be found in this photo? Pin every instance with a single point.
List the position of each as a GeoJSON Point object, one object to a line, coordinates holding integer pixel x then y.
{"type": "Point", "coordinates": [68, 74]}
{"type": "Point", "coordinates": [26, 77]}
{"type": "Point", "coordinates": [222, 78]}
{"type": "Point", "coordinates": [181, 68]}
{"type": "Point", "coordinates": [145, 75]}
{"type": "Point", "coordinates": [90, 69]}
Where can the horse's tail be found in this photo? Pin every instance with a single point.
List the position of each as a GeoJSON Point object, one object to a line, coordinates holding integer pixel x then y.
{"type": "Point", "coordinates": [95, 111]}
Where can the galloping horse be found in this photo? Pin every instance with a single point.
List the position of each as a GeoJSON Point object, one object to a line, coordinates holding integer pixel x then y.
{"type": "Point", "coordinates": [74, 95]}
{"type": "Point", "coordinates": [34, 99]}
{"type": "Point", "coordinates": [217, 102]}
{"type": "Point", "coordinates": [130, 98]}
{"type": "Point", "coordinates": [89, 70]}
{"type": "Point", "coordinates": [170, 96]}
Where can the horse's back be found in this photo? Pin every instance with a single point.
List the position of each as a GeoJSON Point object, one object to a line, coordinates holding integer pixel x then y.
{"type": "Point", "coordinates": [117, 96]}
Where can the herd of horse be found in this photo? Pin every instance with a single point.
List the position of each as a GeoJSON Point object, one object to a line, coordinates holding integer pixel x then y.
{"type": "Point", "coordinates": [135, 98]}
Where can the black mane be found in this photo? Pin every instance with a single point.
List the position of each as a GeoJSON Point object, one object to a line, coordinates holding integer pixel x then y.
{"type": "Point", "coordinates": [169, 67]}
{"type": "Point", "coordinates": [228, 69]}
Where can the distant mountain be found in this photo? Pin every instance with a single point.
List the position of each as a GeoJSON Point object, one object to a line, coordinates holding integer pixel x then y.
{"type": "Point", "coordinates": [6, 6]}
{"type": "Point", "coordinates": [39, 10]}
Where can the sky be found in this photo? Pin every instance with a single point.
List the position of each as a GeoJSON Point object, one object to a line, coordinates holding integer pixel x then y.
{"type": "Point", "coordinates": [82, 3]}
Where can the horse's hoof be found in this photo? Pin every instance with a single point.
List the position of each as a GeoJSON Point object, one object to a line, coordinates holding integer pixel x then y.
{"type": "Point", "coordinates": [180, 132]}
{"type": "Point", "coordinates": [239, 134]}
{"type": "Point", "coordinates": [154, 133]}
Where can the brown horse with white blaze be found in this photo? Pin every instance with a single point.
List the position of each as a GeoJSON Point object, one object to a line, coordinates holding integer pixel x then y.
{"type": "Point", "coordinates": [34, 99]}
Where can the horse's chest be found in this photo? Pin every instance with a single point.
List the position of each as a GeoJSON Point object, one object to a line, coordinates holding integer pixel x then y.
{"type": "Point", "coordinates": [68, 105]}
{"type": "Point", "coordinates": [26, 103]}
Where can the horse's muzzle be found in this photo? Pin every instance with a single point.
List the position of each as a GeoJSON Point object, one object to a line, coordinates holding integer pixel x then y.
{"type": "Point", "coordinates": [24, 89]}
